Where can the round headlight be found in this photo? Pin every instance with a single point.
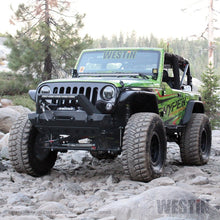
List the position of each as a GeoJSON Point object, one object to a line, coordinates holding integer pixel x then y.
{"type": "Point", "coordinates": [108, 92]}
{"type": "Point", "coordinates": [45, 90]}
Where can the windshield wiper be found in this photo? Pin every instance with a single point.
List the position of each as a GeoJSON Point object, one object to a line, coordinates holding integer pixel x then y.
{"type": "Point", "coordinates": [144, 76]}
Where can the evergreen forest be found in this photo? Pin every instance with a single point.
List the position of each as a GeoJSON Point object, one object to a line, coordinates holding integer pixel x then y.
{"type": "Point", "coordinates": [196, 51]}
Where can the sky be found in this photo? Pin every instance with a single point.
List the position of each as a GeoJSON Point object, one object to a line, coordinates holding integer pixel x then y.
{"type": "Point", "coordinates": [162, 18]}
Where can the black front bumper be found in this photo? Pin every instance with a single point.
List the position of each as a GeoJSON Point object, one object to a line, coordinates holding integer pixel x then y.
{"type": "Point", "coordinates": [76, 124]}
{"type": "Point", "coordinates": [79, 122]}
{"type": "Point", "coordinates": [70, 119]}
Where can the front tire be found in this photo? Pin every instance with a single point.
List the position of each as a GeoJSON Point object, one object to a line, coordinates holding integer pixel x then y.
{"type": "Point", "coordinates": [144, 147]}
{"type": "Point", "coordinates": [25, 149]}
{"type": "Point", "coordinates": [195, 144]}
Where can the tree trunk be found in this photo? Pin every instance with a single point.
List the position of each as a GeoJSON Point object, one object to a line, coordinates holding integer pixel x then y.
{"type": "Point", "coordinates": [48, 66]}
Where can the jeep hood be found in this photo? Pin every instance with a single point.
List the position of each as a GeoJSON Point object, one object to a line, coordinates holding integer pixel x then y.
{"type": "Point", "coordinates": [116, 81]}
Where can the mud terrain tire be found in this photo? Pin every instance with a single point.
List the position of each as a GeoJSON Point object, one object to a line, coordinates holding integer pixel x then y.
{"type": "Point", "coordinates": [24, 149]}
{"type": "Point", "coordinates": [144, 147]}
{"type": "Point", "coordinates": [195, 144]}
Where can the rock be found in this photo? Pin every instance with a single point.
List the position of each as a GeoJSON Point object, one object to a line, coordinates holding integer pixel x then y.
{"type": "Point", "coordinates": [23, 217]}
{"type": "Point", "coordinates": [158, 202]}
{"type": "Point", "coordinates": [53, 207]}
{"type": "Point", "coordinates": [19, 198]}
{"type": "Point", "coordinates": [47, 184]}
{"type": "Point", "coordinates": [20, 109]}
{"type": "Point", "coordinates": [4, 153]}
{"type": "Point", "coordinates": [7, 117]}
{"type": "Point", "coordinates": [173, 218]}
{"type": "Point", "coordinates": [102, 194]}
{"type": "Point", "coordinates": [215, 139]}
{"type": "Point", "coordinates": [81, 209]}
{"type": "Point", "coordinates": [17, 210]}
{"type": "Point", "coordinates": [109, 218]}
{"type": "Point", "coordinates": [200, 180]}
{"type": "Point", "coordinates": [217, 152]}
{"type": "Point", "coordinates": [187, 174]}
{"type": "Point", "coordinates": [162, 181]}
{"type": "Point", "coordinates": [2, 167]}
{"type": "Point", "coordinates": [185, 186]}
{"type": "Point", "coordinates": [4, 147]}
{"type": "Point", "coordinates": [6, 102]}
{"type": "Point", "coordinates": [1, 135]}
{"type": "Point", "coordinates": [78, 156]}
{"type": "Point", "coordinates": [112, 179]}
{"type": "Point", "coordinates": [67, 217]}
{"type": "Point", "coordinates": [50, 196]}
{"type": "Point", "coordinates": [74, 188]}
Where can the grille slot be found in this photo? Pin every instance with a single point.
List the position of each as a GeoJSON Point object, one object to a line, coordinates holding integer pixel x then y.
{"type": "Point", "coordinates": [75, 90]}
{"type": "Point", "coordinates": [62, 90]}
{"type": "Point", "coordinates": [94, 95]}
{"type": "Point", "coordinates": [68, 90]}
{"type": "Point", "coordinates": [89, 91]}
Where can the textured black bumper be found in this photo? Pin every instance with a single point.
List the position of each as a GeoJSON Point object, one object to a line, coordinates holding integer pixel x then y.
{"type": "Point", "coordinates": [76, 124]}
{"type": "Point", "coordinates": [78, 121]}
{"type": "Point", "coordinates": [70, 119]}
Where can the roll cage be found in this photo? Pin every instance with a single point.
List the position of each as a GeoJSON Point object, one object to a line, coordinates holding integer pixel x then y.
{"type": "Point", "coordinates": [176, 64]}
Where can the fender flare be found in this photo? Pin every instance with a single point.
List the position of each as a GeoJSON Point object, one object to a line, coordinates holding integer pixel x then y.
{"type": "Point", "coordinates": [128, 96]}
{"type": "Point", "coordinates": [193, 106]}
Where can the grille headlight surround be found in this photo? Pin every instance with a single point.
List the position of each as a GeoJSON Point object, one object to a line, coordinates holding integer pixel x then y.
{"type": "Point", "coordinates": [45, 90]}
{"type": "Point", "coordinates": [108, 93]}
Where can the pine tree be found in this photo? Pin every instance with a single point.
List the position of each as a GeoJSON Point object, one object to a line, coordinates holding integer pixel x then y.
{"type": "Point", "coordinates": [210, 96]}
{"type": "Point", "coordinates": [46, 43]}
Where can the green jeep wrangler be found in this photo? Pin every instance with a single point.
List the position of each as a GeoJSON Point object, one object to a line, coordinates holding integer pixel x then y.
{"type": "Point", "coordinates": [121, 101]}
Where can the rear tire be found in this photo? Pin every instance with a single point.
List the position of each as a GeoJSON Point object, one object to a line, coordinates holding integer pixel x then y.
{"type": "Point", "coordinates": [144, 147]}
{"type": "Point", "coordinates": [195, 144]}
{"type": "Point", "coordinates": [25, 150]}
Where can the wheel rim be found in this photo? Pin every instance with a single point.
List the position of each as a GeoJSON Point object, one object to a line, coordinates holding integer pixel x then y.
{"type": "Point", "coordinates": [204, 142]}
{"type": "Point", "coordinates": [155, 150]}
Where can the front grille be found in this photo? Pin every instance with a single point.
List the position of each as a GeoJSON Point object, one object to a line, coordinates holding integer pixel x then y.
{"type": "Point", "coordinates": [89, 91]}
{"type": "Point", "coordinates": [63, 95]}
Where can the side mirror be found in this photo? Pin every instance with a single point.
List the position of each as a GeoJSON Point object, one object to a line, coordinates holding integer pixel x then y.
{"type": "Point", "coordinates": [74, 73]}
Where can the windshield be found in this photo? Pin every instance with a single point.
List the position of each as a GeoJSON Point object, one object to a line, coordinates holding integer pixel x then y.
{"type": "Point", "coordinates": [119, 61]}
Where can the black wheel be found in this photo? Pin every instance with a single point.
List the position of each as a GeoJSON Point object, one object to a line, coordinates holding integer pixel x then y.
{"type": "Point", "coordinates": [144, 147]}
{"type": "Point", "coordinates": [103, 155]}
{"type": "Point", "coordinates": [195, 144]}
{"type": "Point", "coordinates": [25, 149]}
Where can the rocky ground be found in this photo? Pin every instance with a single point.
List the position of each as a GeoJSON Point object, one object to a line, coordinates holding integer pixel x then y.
{"type": "Point", "coordinates": [83, 188]}
{"type": "Point", "coordinates": [80, 187]}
